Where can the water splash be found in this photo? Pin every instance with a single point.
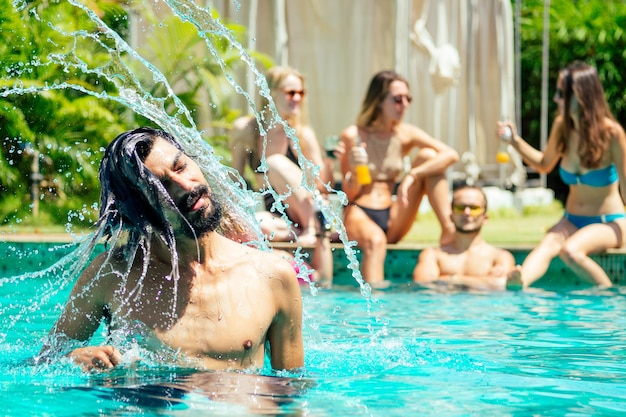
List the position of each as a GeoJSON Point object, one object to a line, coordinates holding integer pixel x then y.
{"type": "Point", "coordinates": [123, 70]}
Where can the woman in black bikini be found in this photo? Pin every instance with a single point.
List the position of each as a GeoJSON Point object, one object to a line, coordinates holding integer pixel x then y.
{"type": "Point", "coordinates": [374, 217]}
{"type": "Point", "coordinates": [591, 146]}
{"type": "Point", "coordinates": [284, 172]}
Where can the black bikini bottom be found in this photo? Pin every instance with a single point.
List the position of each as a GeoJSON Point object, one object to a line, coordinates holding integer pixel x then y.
{"type": "Point", "coordinates": [378, 216]}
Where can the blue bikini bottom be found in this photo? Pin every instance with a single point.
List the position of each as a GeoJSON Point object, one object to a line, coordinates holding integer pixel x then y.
{"type": "Point", "coordinates": [582, 221]}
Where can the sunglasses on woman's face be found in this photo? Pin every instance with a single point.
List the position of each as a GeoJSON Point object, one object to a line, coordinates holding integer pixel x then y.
{"type": "Point", "coordinates": [292, 93]}
{"type": "Point", "coordinates": [399, 99]}
{"type": "Point", "coordinates": [474, 211]}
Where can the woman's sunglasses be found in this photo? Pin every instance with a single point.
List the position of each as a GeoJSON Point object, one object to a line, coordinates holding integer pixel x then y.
{"type": "Point", "coordinates": [292, 93]}
{"type": "Point", "coordinates": [401, 97]}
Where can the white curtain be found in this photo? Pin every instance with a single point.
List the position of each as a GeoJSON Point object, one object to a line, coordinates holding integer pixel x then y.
{"type": "Point", "coordinates": [456, 54]}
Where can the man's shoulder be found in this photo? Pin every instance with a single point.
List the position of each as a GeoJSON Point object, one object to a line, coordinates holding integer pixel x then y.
{"type": "Point", "coordinates": [503, 252]}
{"type": "Point", "coordinates": [266, 258]}
{"type": "Point", "coordinates": [107, 266]}
{"type": "Point", "coordinates": [270, 258]}
{"type": "Point", "coordinates": [495, 249]}
{"type": "Point", "coordinates": [483, 248]}
{"type": "Point", "coordinates": [447, 249]}
{"type": "Point", "coordinates": [434, 249]}
{"type": "Point", "coordinates": [489, 251]}
{"type": "Point", "coordinates": [270, 270]}
{"type": "Point", "coordinates": [115, 256]}
{"type": "Point", "coordinates": [432, 252]}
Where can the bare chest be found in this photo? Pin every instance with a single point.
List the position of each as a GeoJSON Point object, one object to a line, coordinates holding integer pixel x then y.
{"type": "Point", "coordinates": [474, 261]}
{"type": "Point", "coordinates": [385, 158]}
{"type": "Point", "coordinates": [222, 324]}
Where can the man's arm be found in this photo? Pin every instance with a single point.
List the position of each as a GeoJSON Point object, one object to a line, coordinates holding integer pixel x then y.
{"type": "Point", "coordinates": [285, 333]}
{"type": "Point", "coordinates": [503, 263]}
{"type": "Point", "coordinates": [81, 317]}
{"type": "Point", "coordinates": [496, 279]}
{"type": "Point", "coordinates": [427, 268]}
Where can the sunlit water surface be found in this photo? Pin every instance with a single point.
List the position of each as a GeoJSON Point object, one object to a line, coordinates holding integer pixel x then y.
{"type": "Point", "coordinates": [405, 351]}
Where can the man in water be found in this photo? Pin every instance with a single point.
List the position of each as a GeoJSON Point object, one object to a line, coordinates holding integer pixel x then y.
{"type": "Point", "coordinates": [468, 261]}
{"type": "Point", "coordinates": [213, 301]}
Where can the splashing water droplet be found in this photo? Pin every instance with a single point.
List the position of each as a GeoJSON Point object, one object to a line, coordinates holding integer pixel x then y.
{"type": "Point", "coordinates": [135, 93]}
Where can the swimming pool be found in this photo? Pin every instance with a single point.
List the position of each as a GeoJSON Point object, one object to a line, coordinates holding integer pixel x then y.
{"type": "Point", "coordinates": [405, 351]}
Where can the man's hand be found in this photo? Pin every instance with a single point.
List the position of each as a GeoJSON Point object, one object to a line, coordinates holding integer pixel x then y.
{"type": "Point", "coordinates": [95, 358]}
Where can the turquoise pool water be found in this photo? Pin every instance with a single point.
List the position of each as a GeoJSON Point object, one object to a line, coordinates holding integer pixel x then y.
{"type": "Point", "coordinates": [405, 351]}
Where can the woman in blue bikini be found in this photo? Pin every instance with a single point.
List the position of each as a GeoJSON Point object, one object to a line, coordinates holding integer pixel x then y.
{"type": "Point", "coordinates": [591, 146]}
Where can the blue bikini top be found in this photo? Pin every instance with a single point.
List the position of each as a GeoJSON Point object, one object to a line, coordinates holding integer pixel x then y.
{"type": "Point", "coordinates": [595, 178]}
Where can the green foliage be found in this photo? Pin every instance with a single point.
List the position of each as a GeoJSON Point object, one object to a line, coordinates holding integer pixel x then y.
{"type": "Point", "coordinates": [51, 43]}
{"type": "Point", "coordinates": [198, 75]}
{"type": "Point", "coordinates": [64, 129]}
{"type": "Point", "coordinates": [556, 209]}
{"type": "Point", "coordinates": [587, 30]}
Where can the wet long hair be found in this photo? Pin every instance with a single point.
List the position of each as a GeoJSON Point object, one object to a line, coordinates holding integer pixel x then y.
{"type": "Point", "coordinates": [132, 198]}
{"type": "Point", "coordinates": [377, 92]}
{"type": "Point", "coordinates": [131, 194]}
{"type": "Point", "coordinates": [581, 81]}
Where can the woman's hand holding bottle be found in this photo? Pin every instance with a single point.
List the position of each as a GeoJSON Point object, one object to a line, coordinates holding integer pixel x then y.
{"type": "Point", "coordinates": [359, 160]}
{"type": "Point", "coordinates": [505, 133]}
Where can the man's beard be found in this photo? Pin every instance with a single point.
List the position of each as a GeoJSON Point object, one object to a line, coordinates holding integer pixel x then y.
{"type": "Point", "coordinates": [200, 222]}
{"type": "Point", "coordinates": [475, 229]}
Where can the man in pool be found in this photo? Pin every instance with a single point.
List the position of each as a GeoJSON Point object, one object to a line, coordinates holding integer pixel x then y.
{"type": "Point", "coordinates": [213, 301]}
{"type": "Point", "coordinates": [468, 261]}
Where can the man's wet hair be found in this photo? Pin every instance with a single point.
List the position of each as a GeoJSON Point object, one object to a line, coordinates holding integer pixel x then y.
{"type": "Point", "coordinates": [131, 196]}
{"type": "Point", "coordinates": [133, 199]}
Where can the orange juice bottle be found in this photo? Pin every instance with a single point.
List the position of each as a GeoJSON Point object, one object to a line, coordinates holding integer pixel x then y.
{"type": "Point", "coordinates": [362, 171]}
{"type": "Point", "coordinates": [502, 157]}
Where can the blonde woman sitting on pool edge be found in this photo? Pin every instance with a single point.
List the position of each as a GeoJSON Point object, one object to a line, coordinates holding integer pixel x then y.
{"type": "Point", "coordinates": [284, 173]}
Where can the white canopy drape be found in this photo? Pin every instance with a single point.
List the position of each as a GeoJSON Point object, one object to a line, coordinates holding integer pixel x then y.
{"type": "Point", "coordinates": [457, 56]}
